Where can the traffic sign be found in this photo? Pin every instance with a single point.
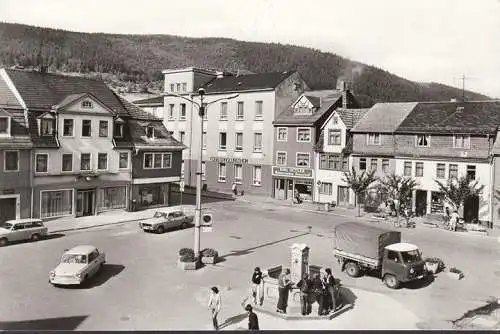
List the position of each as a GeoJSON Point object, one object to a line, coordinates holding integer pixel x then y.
{"type": "Point", "coordinates": [206, 228]}
{"type": "Point", "coordinates": [181, 186]}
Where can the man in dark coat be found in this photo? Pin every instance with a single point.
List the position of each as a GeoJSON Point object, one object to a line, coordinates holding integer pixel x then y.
{"type": "Point", "coordinates": [305, 286]}
{"type": "Point", "coordinates": [317, 291]}
{"type": "Point", "coordinates": [253, 320]}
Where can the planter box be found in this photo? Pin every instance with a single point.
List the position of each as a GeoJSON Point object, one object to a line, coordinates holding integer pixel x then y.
{"type": "Point", "coordinates": [186, 265]}
{"type": "Point", "coordinates": [432, 267]}
{"type": "Point", "coordinates": [209, 259]}
{"type": "Point", "coordinates": [456, 276]}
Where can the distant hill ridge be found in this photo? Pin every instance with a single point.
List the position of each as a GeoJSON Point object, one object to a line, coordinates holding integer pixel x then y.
{"type": "Point", "coordinates": [136, 61]}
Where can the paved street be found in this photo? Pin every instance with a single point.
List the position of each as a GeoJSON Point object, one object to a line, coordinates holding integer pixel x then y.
{"type": "Point", "coordinates": [141, 288]}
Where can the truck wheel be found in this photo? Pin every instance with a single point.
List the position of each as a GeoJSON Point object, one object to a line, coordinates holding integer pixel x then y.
{"type": "Point", "coordinates": [3, 242]}
{"type": "Point", "coordinates": [35, 237]}
{"type": "Point", "coordinates": [160, 229]}
{"type": "Point", "coordinates": [184, 225]}
{"type": "Point", "coordinates": [352, 269]}
{"type": "Point", "coordinates": [391, 281]}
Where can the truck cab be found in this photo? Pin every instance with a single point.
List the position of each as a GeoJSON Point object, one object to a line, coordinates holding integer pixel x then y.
{"type": "Point", "coordinates": [401, 262]}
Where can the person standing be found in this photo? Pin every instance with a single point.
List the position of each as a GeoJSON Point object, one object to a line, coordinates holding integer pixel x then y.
{"type": "Point", "coordinates": [214, 305]}
{"type": "Point", "coordinates": [330, 287]}
{"type": "Point", "coordinates": [317, 290]}
{"type": "Point", "coordinates": [257, 286]}
{"type": "Point", "coordinates": [283, 288]}
{"type": "Point", "coordinates": [454, 220]}
{"type": "Point", "coordinates": [304, 285]}
{"type": "Point", "coordinates": [235, 189]}
{"type": "Point", "coordinates": [253, 320]}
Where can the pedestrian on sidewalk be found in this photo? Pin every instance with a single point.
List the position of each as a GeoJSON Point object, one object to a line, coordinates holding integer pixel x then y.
{"type": "Point", "coordinates": [454, 220]}
{"type": "Point", "coordinates": [317, 291]}
{"type": "Point", "coordinates": [214, 305]}
{"type": "Point", "coordinates": [257, 286]}
{"type": "Point", "coordinates": [253, 320]}
{"type": "Point", "coordinates": [234, 187]}
{"type": "Point", "coordinates": [330, 288]}
{"type": "Point", "coordinates": [284, 284]}
{"type": "Point", "coordinates": [305, 286]}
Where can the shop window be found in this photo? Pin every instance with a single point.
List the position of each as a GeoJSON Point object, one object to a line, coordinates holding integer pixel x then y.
{"type": "Point", "coordinates": [152, 195]}
{"type": "Point", "coordinates": [113, 198]}
{"type": "Point", "coordinates": [56, 203]}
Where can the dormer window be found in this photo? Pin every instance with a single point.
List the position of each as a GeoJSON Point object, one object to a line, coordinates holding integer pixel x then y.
{"type": "Point", "coordinates": [4, 126]}
{"type": "Point", "coordinates": [150, 131]}
{"type": "Point", "coordinates": [86, 104]}
{"type": "Point", "coordinates": [118, 128]}
{"type": "Point", "coordinates": [46, 124]}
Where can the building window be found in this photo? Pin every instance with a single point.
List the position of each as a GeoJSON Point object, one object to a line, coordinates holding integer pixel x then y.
{"type": "Point", "coordinates": [56, 203]}
{"type": "Point", "coordinates": [11, 161]}
{"type": "Point", "coordinates": [86, 128]}
{"type": "Point", "coordinates": [345, 163]}
{"type": "Point", "coordinates": [103, 128]}
{"type": "Point", "coordinates": [302, 160]}
{"type": "Point", "coordinates": [452, 171]}
{"type": "Point", "coordinates": [281, 158]}
{"type": "Point", "coordinates": [119, 130]}
{"type": "Point", "coordinates": [204, 140]}
{"type": "Point", "coordinates": [42, 160]}
{"type": "Point", "coordinates": [334, 137]}
{"type": "Point", "coordinates": [282, 134]}
{"type": "Point", "coordinates": [471, 172]}
{"type": "Point", "coordinates": [102, 161]}
{"type": "Point", "coordinates": [258, 110]}
{"type": "Point", "coordinates": [178, 86]}
{"type": "Point", "coordinates": [222, 172]}
{"type": "Point", "coordinates": [172, 87]}
{"type": "Point", "coordinates": [240, 112]}
{"type": "Point", "coordinates": [223, 111]}
{"type": "Point", "coordinates": [123, 160]}
{"type": "Point", "coordinates": [85, 161]}
{"type": "Point", "coordinates": [385, 165]}
{"type": "Point", "coordinates": [182, 136]}
{"type": "Point", "coordinates": [67, 162]}
{"type": "Point", "coordinates": [238, 173]}
{"type": "Point", "coordinates": [182, 115]}
{"type": "Point", "coordinates": [239, 141]}
{"type": "Point", "coordinates": [362, 163]}
{"type": "Point", "coordinates": [322, 161]}
{"type": "Point", "coordinates": [47, 127]}
{"type": "Point", "coordinates": [4, 126]}
{"type": "Point", "coordinates": [419, 169]}
{"type": "Point", "coordinates": [257, 175]}
{"type": "Point", "coordinates": [407, 168]}
{"type": "Point", "coordinates": [373, 164]}
{"type": "Point", "coordinates": [184, 86]}
{"type": "Point", "coordinates": [374, 139]}
{"type": "Point", "coordinates": [303, 135]}
{"type": "Point", "coordinates": [150, 131]}
{"type": "Point", "coordinates": [157, 160]}
{"type": "Point", "coordinates": [440, 171]}
{"type": "Point", "coordinates": [171, 109]}
{"type": "Point", "coordinates": [461, 141]}
{"type": "Point", "coordinates": [325, 188]}
{"type": "Point", "coordinates": [87, 104]}
{"type": "Point", "coordinates": [68, 128]}
{"type": "Point", "coordinates": [203, 171]}
{"type": "Point", "coordinates": [257, 142]}
{"type": "Point", "coordinates": [222, 141]}
{"type": "Point", "coordinates": [334, 162]}
{"type": "Point", "coordinates": [423, 140]}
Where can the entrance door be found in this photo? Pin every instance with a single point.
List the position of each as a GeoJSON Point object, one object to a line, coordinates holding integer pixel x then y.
{"type": "Point", "coordinates": [343, 196]}
{"type": "Point", "coordinates": [289, 193]}
{"type": "Point", "coordinates": [471, 209]}
{"type": "Point", "coordinates": [279, 190]}
{"type": "Point", "coordinates": [7, 209]}
{"type": "Point", "coordinates": [421, 202]}
{"type": "Point", "coordinates": [85, 203]}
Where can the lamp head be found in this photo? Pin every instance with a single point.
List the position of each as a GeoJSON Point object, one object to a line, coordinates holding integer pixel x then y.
{"type": "Point", "coordinates": [201, 91]}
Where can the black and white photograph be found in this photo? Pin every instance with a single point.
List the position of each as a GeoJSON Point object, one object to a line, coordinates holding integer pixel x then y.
{"type": "Point", "coordinates": [249, 165]}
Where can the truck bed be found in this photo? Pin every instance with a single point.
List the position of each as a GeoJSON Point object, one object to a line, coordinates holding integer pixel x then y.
{"type": "Point", "coordinates": [374, 263]}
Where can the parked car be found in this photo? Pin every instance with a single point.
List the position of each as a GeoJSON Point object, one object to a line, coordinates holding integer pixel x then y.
{"type": "Point", "coordinates": [162, 221]}
{"type": "Point", "coordinates": [22, 229]}
{"type": "Point", "coordinates": [77, 266]}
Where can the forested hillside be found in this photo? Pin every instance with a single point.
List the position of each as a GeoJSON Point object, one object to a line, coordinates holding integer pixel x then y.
{"type": "Point", "coordinates": [134, 62]}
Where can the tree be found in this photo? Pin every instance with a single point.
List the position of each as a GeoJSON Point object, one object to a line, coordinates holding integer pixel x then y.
{"type": "Point", "coordinates": [400, 190]}
{"type": "Point", "coordinates": [457, 190]}
{"type": "Point", "coordinates": [359, 182]}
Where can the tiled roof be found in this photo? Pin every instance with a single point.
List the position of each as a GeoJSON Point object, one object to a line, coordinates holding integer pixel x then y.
{"type": "Point", "coordinates": [18, 129]}
{"type": "Point", "coordinates": [329, 99]}
{"type": "Point", "coordinates": [452, 117]}
{"type": "Point", "coordinates": [71, 98]}
{"type": "Point", "coordinates": [384, 117]}
{"type": "Point", "coordinates": [40, 141]}
{"type": "Point", "coordinates": [134, 111]}
{"type": "Point", "coordinates": [246, 82]}
{"type": "Point", "coordinates": [157, 100]}
{"type": "Point", "coordinates": [7, 98]}
{"type": "Point", "coordinates": [163, 139]}
{"type": "Point", "coordinates": [351, 117]}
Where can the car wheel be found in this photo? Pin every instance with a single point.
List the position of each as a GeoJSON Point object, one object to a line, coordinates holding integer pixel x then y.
{"type": "Point", "coordinates": [3, 242]}
{"type": "Point", "coordinates": [184, 225]}
{"type": "Point", "coordinates": [352, 269]}
{"type": "Point", "coordinates": [160, 229]}
{"type": "Point", "coordinates": [391, 281]}
{"type": "Point", "coordinates": [35, 237]}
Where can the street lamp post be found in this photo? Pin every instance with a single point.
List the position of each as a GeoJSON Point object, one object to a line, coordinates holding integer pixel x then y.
{"type": "Point", "coordinates": [202, 108]}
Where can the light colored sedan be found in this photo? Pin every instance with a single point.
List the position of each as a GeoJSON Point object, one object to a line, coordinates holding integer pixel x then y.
{"type": "Point", "coordinates": [162, 221]}
{"type": "Point", "coordinates": [22, 229]}
{"type": "Point", "coordinates": [77, 266]}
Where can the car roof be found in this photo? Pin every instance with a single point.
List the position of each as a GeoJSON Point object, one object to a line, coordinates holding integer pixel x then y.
{"type": "Point", "coordinates": [24, 220]}
{"type": "Point", "coordinates": [81, 249]}
{"type": "Point", "coordinates": [402, 247]}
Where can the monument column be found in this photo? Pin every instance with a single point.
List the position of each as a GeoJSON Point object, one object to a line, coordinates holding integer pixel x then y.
{"type": "Point", "coordinates": [299, 262]}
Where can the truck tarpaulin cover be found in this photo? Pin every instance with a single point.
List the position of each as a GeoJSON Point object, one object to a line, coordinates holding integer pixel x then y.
{"type": "Point", "coordinates": [364, 240]}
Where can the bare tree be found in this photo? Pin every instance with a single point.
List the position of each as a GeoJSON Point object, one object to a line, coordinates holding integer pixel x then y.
{"type": "Point", "coordinates": [359, 182]}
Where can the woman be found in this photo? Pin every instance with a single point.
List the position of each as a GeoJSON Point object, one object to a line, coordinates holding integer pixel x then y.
{"type": "Point", "coordinates": [214, 305]}
{"type": "Point", "coordinates": [257, 286]}
{"type": "Point", "coordinates": [330, 287]}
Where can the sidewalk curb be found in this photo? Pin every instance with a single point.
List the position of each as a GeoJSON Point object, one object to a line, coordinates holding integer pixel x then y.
{"type": "Point", "coordinates": [93, 226]}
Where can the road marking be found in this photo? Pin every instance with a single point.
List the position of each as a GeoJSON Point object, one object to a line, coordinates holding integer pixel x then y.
{"type": "Point", "coordinates": [124, 233]}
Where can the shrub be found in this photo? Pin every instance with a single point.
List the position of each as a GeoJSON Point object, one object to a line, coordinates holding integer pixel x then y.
{"type": "Point", "coordinates": [187, 258]}
{"type": "Point", "coordinates": [186, 251]}
{"type": "Point", "coordinates": [209, 252]}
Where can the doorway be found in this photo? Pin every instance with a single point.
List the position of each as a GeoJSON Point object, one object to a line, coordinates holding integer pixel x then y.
{"type": "Point", "coordinates": [343, 196]}
{"type": "Point", "coordinates": [421, 203]}
{"type": "Point", "coordinates": [471, 209]}
{"type": "Point", "coordinates": [85, 202]}
{"type": "Point", "coordinates": [7, 209]}
{"type": "Point", "coordinates": [279, 190]}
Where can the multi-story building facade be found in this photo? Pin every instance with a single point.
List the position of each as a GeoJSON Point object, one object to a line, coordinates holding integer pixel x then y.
{"type": "Point", "coordinates": [333, 157]}
{"type": "Point", "coordinates": [237, 133]}
{"type": "Point", "coordinates": [431, 141]}
{"type": "Point", "coordinates": [85, 141]}
{"type": "Point", "coordinates": [153, 105]}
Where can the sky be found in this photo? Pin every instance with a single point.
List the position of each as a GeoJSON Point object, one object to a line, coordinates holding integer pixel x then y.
{"type": "Point", "coordinates": [421, 40]}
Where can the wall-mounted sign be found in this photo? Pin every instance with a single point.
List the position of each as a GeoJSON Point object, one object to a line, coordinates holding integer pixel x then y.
{"type": "Point", "coordinates": [292, 171]}
{"type": "Point", "coordinates": [236, 160]}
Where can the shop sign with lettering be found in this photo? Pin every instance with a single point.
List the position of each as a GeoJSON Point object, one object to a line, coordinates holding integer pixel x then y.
{"type": "Point", "coordinates": [292, 171]}
{"type": "Point", "coordinates": [235, 160]}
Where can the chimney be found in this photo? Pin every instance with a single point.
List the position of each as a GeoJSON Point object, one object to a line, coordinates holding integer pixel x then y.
{"type": "Point", "coordinates": [344, 87]}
